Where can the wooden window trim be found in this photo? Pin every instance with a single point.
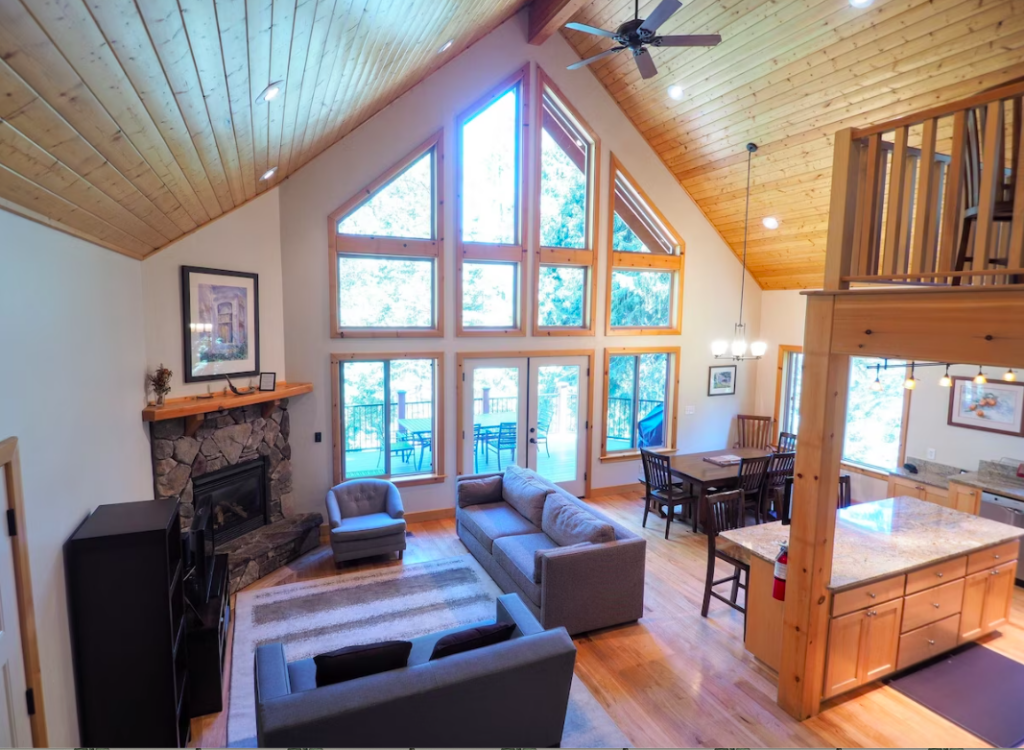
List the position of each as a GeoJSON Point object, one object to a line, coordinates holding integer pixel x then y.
{"type": "Point", "coordinates": [437, 439]}
{"type": "Point", "coordinates": [784, 349]}
{"type": "Point", "coordinates": [392, 247]}
{"type": "Point", "coordinates": [577, 257]}
{"type": "Point", "coordinates": [475, 251]}
{"type": "Point", "coordinates": [673, 394]}
{"type": "Point", "coordinates": [618, 260]}
{"type": "Point", "coordinates": [460, 385]}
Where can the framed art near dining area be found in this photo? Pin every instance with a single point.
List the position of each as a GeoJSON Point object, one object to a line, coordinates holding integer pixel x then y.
{"type": "Point", "coordinates": [722, 380]}
{"type": "Point", "coordinates": [220, 323]}
{"type": "Point", "coordinates": [993, 406]}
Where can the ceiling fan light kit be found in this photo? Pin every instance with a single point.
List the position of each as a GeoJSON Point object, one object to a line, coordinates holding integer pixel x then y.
{"type": "Point", "coordinates": [640, 34]}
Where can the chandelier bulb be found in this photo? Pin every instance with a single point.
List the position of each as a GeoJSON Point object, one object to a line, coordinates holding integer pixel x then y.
{"type": "Point", "coordinates": [980, 378]}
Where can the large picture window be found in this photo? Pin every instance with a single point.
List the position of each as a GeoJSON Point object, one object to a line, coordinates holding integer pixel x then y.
{"type": "Point", "coordinates": [875, 413]}
{"type": "Point", "coordinates": [566, 158]}
{"type": "Point", "coordinates": [640, 393]}
{"type": "Point", "coordinates": [386, 274]}
{"type": "Point", "coordinates": [645, 263]}
{"type": "Point", "coordinates": [489, 211]}
{"type": "Point", "coordinates": [389, 421]}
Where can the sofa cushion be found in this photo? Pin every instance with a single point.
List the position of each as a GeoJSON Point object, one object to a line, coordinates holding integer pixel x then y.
{"type": "Point", "coordinates": [568, 524]}
{"type": "Point", "coordinates": [526, 492]}
{"type": "Point", "coordinates": [493, 521]}
{"type": "Point", "coordinates": [472, 638]}
{"type": "Point", "coordinates": [353, 662]}
{"type": "Point", "coordinates": [370, 526]}
{"type": "Point", "coordinates": [478, 491]}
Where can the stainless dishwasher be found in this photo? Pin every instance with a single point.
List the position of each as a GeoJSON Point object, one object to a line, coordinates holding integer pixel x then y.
{"type": "Point", "coordinates": [1005, 510]}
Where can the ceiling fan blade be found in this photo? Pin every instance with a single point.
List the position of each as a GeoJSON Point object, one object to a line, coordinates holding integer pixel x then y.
{"type": "Point", "coordinates": [660, 15]}
{"type": "Point", "coordinates": [595, 58]}
{"type": "Point", "coordinates": [590, 30]}
{"type": "Point", "coordinates": [645, 64]}
{"type": "Point", "coordinates": [692, 40]}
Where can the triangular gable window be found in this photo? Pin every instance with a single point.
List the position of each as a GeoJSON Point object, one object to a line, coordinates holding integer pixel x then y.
{"type": "Point", "coordinates": [636, 228]}
{"type": "Point", "coordinates": [403, 207]}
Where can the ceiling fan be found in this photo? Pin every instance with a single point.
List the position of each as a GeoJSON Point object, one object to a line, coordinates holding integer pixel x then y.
{"type": "Point", "coordinates": [640, 33]}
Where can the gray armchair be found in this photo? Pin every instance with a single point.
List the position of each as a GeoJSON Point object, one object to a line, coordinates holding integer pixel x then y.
{"type": "Point", "coordinates": [366, 518]}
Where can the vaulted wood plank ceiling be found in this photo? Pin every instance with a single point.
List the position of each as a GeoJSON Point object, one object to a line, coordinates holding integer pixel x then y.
{"type": "Point", "coordinates": [787, 75]}
{"type": "Point", "coordinates": [132, 123]}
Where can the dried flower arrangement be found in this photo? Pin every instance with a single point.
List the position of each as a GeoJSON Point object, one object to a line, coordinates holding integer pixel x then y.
{"type": "Point", "coordinates": [160, 382]}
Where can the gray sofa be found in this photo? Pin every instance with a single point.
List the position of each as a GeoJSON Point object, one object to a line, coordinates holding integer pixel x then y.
{"type": "Point", "coordinates": [367, 519]}
{"type": "Point", "coordinates": [509, 694]}
{"type": "Point", "coordinates": [520, 541]}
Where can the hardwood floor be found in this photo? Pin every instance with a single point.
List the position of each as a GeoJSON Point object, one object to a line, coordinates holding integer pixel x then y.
{"type": "Point", "coordinates": [676, 679]}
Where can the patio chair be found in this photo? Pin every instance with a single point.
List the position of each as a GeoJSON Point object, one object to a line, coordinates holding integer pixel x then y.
{"type": "Point", "coordinates": [425, 440]}
{"type": "Point", "coordinates": [400, 447]}
{"type": "Point", "coordinates": [543, 425]}
{"type": "Point", "coordinates": [506, 440]}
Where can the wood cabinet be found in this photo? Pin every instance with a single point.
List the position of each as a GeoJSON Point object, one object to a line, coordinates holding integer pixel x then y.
{"type": "Point", "coordinates": [964, 499]}
{"type": "Point", "coordinates": [988, 595]}
{"type": "Point", "coordinates": [900, 485]}
{"type": "Point", "coordinates": [863, 646]}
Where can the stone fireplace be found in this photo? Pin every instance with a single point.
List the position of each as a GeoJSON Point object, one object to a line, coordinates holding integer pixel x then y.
{"type": "Point", "coordinates": [241, 459]}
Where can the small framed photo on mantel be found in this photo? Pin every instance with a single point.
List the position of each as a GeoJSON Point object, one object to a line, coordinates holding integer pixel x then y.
{"type": "Point", "coordinates": [722, 380]}
{"type": "Point", "coordinates": [268, 381]}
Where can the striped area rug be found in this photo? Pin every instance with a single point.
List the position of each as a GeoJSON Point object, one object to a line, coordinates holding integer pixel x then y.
{"type": "Point", "coordinates": [312, 617]}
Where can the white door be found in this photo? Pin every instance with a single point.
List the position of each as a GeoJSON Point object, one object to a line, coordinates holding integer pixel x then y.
{"type": "Point", "coordinates": [557, 446]}
{"type": "Point", "coordinates": [527, 412]}
{"type": "Point", "coordinates": [15, 729]}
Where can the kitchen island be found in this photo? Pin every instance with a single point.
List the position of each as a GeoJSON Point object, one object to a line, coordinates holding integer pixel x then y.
{"type": "Point", "coordinates": [910, 580]}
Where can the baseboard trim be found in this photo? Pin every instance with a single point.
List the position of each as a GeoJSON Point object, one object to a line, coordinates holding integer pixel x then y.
{"type": "Point", "coordinates": [430, 515]}
{"type": "Point", "coordinates": [618, 489]}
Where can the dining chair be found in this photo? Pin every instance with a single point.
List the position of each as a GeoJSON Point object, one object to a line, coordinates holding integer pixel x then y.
{"type": "Point", "coordinates": [505, 440]}
{"type": "Point", "coordinates": [662, 492]}
{"type": "Point", "coordinates": [786, 501]}
{"type": "Point", "coordinates": [779, 470]}
{"type": "Point", "coordinates": [724, 511]}
{"type": "Point", "coordinates": [752, 475]}
{"type": "Point", "coordinates": [753, 432]}
{"type": "Point", "coordinates": [787, 442]}
{"type": "Point", "coordinates": [845, 492]}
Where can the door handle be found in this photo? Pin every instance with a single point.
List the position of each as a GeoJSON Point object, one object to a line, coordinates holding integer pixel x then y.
{"type": "Point", "coordinates": [532, 429]}
{"type": "Point", "coordinates": [533, 440]}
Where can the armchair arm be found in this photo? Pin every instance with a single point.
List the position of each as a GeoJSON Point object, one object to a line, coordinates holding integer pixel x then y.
{"type": "Point", "coordinates": [271, 672]}
{"type": "Point", "coordinates": [393, 502]}
{"type": "Point", "coordinates": [333, 509]}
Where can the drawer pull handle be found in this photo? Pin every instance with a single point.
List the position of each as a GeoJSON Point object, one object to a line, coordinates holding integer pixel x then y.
{"type": "Point", "coordinates": [873, 596]}
{"type": "Point", "coordinates": [935, 604]}
{"type": "Point", "coordinates": [995, 557]}
{"type": "Point", "coordinates": [872, 613]}
{"type": "Point", "coordinates": [931, 642]}
{"type": "Point", "coordinates": [995, 572]}
{"type": "Point", "coordinates": [940, 574]}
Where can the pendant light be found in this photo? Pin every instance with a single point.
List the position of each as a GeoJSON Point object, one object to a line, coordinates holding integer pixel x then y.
{"type": "Point", "coordinates": [911, 382]}
{"type": "Point", "coordinates": [738, 348]}
{"type": "Point", "coordinates": [980, 378]}
{"type": "Point", "coordinates": [945, 381]}
{"type": "Point", "coordinates": [1010, 376]}
{"type": "Point", "coordinates": [877, 385]}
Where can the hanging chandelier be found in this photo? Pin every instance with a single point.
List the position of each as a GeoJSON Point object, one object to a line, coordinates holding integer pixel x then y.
{"type": "Point", "coordinates": [737, 349]}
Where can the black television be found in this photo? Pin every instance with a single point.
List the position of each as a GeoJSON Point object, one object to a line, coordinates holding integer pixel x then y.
{"type": "Point", "coordinates": [201, 552]}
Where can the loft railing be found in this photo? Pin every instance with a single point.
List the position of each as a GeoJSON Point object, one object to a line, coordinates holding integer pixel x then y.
{"type": "Point", "coordinates": [933, 198]}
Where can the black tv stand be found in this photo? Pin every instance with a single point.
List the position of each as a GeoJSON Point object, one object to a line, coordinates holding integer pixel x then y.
{"type": "Point", "coordinates": [207, 632]}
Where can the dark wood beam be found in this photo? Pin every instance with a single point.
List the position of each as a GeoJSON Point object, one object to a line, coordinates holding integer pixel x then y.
{"type": "Point", "coordinates": [548, 16]}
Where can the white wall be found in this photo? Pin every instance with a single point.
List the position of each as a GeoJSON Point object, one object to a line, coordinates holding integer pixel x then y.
{"type": "Point", "coordinates": [71, 377]}
{"type": "Point", "coordinates": [782, 323]}
{"type": "Point", "coordinates": [955, 446]}
{"type": "Point", "coordinates": [247, 239]}
{"type": "Point", "coordinates": [710, 299]}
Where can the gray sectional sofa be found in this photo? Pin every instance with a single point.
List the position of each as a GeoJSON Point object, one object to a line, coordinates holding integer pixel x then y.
{"type": "Point", "coordinates": [573, 566]}
{"type": "Point", "coordinates": [511, 693]}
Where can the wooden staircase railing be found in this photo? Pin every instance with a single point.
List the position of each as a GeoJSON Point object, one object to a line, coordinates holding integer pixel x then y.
{"type": "Point", "coordinates": [931, 199]}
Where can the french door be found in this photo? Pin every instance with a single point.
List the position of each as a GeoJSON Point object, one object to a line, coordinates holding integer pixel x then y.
{"type": "Point", "coordinates": [530, 412]}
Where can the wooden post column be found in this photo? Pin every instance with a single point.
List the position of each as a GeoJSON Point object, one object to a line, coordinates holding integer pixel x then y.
{"type": "Point", "coordinates": [822, 426]}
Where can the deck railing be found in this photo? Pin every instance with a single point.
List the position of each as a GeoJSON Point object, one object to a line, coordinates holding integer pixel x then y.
{"type": "Point", "coordinates": [932, 198]}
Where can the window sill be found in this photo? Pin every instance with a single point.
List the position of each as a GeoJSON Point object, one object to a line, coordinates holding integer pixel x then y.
{"type": "Point", "coordinates": [610, 458]}
{"type": "Point", "coordinates": [387, 333]}
{"type": "Point", "coordinates": [417, 480]}
{"type": "Point", "coordinates": [867, 471]}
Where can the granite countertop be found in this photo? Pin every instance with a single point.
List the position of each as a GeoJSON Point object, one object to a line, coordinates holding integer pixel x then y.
{"type": "Point", "coordinates": [991, 476]}
{"type": "Point", "coordinates": [1000, 484]}
{"type": "Point", "coordinates": [884, 538]}
{"type": "Point", "coordinates": [929, 472]}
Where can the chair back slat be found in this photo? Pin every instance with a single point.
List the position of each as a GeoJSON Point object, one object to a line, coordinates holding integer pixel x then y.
{"type": "Point", "coordinates": [780, 468]}
{"type": "Point", "coordinates": [753, 472]}
{"type": "Point", "coordinates": [753, 431]}
{"type": "Point", "coordinates": [845, 492]}
{"type": "Point", "coordinates": [787, 442]}
{"type": "Point", "coordinates": [657, 470]}
{"type": "Point", "coordinates": [507, 435]}
{"type": "Point", "coordinates": [724, 513]}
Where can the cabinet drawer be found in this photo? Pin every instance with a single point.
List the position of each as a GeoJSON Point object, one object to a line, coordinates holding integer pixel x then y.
{"type": "Point", "coordinates": [934, 575]}
{"type": "Point", "coordinates": [989, 558]}
{"type": "Point", "coordinates": [932, 604]}
{"type": "Point", "coordinates": [867, 595]}
{"type": "Point", "coordinates": [929, 641]}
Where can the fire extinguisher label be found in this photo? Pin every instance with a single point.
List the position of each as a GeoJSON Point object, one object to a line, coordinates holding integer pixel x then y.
{"type": "Point", "coordinates": [780, 570]}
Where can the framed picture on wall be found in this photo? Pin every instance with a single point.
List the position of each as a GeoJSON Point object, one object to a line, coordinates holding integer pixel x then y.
{"type": "Point", "coordinates": [220, 313]}
{"type": "Point", "coordinates": [993, 406]}
{"type": "Point", "coordinates": [722, 380]}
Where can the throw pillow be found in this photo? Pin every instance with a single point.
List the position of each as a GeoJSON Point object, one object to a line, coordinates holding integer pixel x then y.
{"type": "Point", "coordinates": [568, 524]}
{"type": "Point", "coordinates": [478, 491]}
{"type": "Point", "coordinates": [526, 492]}
{"type": "Point", "coordinates": [540, 554]}
{"type": "Point", "coordinates": [472, 638]}
{"type": "Point", "coordinates": [353, 662]}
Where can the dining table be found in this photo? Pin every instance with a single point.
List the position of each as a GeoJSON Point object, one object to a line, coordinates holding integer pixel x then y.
{"type": "Point", "coordinates": [703, 475]}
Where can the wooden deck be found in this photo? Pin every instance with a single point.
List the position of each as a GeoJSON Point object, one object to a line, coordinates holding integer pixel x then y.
{"type": "Point", "coordinates": [675, 679]}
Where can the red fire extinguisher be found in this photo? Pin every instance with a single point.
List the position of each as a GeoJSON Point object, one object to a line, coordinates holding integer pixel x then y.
{"type": "Point", "coordinates": [779, 585]}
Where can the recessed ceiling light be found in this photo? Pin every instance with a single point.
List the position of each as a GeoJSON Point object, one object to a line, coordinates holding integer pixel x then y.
{"type": "Point", "coordinates": [269, 173]}
{"type": "Point", "coordinates": [861, 3]}
{"type": "Point", "coordinates": [446, 46]}
{"type": "Point", "coordinates": [270, 92]}
{"type": "Point", "coordinates": [770, 222]}
{"type": "Point", "coordinates": [675, 91]}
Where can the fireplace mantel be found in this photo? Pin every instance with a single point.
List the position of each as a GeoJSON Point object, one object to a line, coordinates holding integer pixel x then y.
{"type": "Point", "coordinates": [194, 408]}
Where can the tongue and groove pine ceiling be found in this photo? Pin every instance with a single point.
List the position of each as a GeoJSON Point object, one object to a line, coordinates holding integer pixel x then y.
{"type": "Point", "coordinates": [133, 122]}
